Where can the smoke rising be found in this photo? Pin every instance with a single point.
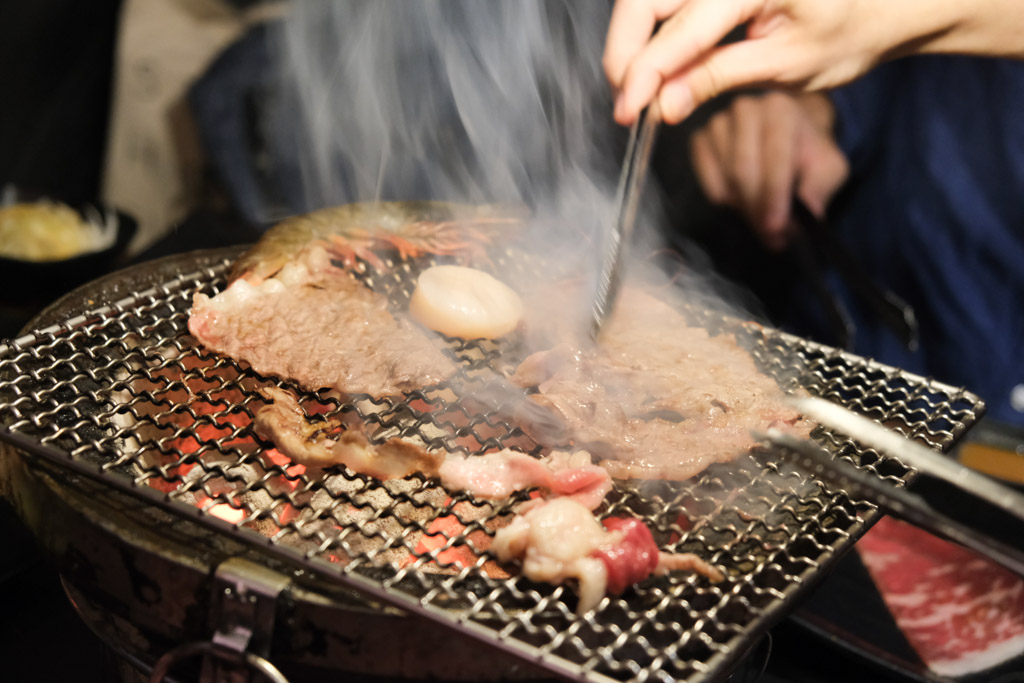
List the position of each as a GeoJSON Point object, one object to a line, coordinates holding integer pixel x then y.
{"type": "Point", "coordinates": [476, 101]}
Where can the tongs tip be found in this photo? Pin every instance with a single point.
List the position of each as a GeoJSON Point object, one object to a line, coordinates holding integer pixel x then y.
{"type": "Point", "coordinates": [627, 207]}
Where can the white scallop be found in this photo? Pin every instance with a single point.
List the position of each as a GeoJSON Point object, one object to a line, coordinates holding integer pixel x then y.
{"type": "Point", "coordinates": [464, 302]}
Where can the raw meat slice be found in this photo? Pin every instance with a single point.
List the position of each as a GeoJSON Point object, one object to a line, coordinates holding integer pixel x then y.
{"type": "Point", "coordinates": [960, 612]}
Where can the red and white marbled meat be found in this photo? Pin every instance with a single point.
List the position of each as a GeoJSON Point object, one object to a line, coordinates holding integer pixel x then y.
{"type": "Point", "coordinates": [499, 475]}
{"type": "Point", "coordinates": [325, 443]}
{"type": "Point", "coordinates": [960, 612]}
{"type": "Point", "coordinates": [315, 324]}
{"type": "Point", "coordinates": [560, 539]}
{"type": "Point", "coordinates": [655, 398]}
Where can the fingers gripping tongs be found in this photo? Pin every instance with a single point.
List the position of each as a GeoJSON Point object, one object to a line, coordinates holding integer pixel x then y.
{"type": "Point", "coordinates": [627, 205]}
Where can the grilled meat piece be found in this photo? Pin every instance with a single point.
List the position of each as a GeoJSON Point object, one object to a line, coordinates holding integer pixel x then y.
{"type": "Point", "coordinates": [634, 556]}
{"type": "Point", "coordinates": [499, 475]}
{"type": "Point", "coordinates": [560, 539]}
{"type": "Point", "coordinates": [315, 324]}
{"type": "Point", "coordinates": [284, 423]}
{"type": "Point", "coordinates": [495, 475]}
{"type": "Point", "coordinates": [554, 542]}
{"type": "Point", "coordinates": [655, 398]}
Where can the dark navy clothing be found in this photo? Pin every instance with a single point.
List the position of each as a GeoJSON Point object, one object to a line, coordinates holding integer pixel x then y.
{"type": "Point", "coordinates": [935, 211]}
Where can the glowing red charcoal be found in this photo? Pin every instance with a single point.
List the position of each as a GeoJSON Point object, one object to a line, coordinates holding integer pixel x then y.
{"type": "Point", "coordinates": [446, 527]}
{"type": "Point", "coordinates": [440, 531]}
{"type": "Point", "coordinates": [281, 460]}
{"type": "Point", "coordinates": [227, 512]}
{"type": "Point", "coordinates": [202, 431]}
{"type": "Point", "coordinates": [212, 426]}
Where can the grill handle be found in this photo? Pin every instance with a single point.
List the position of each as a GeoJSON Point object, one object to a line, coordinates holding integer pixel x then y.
{"type": "Point", "coordinates": [244, 605]}
{"type": "Point", "coordinates": [925, 460]}
{"type": "Point", "coordinates": [208, 649]}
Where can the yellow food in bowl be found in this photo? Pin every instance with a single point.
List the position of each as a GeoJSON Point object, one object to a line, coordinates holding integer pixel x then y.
{"type": "Point", "coordinates": [48, 231]}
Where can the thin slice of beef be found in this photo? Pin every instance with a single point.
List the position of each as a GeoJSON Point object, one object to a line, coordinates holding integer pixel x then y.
{"type": "Point", "coordinates": [961, 613]}
{"type": "Point", "coordinates": [633, 556]}
{"type": "Point", "coordinates": [656, 398]}
{"type": "Point", "coordinates": [315, 324]}
{"type": "Point", "coordinates": [326, 443]}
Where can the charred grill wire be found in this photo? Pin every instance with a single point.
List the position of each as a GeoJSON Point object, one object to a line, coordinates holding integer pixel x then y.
{"type": "Point", "coordinates": [122, 394]}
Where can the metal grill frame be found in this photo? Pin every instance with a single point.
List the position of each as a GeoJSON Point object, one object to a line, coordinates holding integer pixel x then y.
{"type": "Point", "coordinates": [761, 587]}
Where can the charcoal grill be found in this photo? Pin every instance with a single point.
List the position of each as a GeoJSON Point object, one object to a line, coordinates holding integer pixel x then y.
{"type": "Point", "coordinates": [110, 396]}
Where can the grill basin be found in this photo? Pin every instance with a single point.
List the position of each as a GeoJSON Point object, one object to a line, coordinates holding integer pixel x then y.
{"type": "Point", "coordinates": [118, 391]}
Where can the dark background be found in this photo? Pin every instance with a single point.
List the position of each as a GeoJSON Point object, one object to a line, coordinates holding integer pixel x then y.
{"type": "Point", "coordinates": [56, 58]}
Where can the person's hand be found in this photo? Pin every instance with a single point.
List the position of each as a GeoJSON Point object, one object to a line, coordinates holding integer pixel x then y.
{"type": "Point", "coordinates": [793, 44]}
{"type": "Point", "coordinates": [755, 154]}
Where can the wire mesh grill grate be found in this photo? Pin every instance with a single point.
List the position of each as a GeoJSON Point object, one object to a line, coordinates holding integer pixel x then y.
{"type": "Point", "coordinates": [125, 390]}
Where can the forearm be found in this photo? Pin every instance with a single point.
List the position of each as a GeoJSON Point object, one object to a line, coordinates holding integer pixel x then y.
{"type": "Point", "coordinates": [993, 28]}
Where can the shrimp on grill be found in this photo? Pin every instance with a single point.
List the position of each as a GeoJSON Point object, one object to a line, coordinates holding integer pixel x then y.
{"type": "Point", "coordinates": [410, 229]}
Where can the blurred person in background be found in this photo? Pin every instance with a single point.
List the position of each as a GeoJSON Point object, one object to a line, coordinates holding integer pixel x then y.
{"type": "Point", "coordinates": [917, 161]}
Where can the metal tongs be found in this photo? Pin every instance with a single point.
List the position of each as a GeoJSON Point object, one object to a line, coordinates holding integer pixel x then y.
{"type": "Point", "coordinates": [627, 204]}
{"type": "Point", "coordinates": [1004, 506]}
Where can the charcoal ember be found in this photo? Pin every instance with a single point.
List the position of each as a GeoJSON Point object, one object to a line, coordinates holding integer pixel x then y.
{"type": "Point", "coordinates": [248, 487]}
{"type": "Point", "coordinates": [357, 517]}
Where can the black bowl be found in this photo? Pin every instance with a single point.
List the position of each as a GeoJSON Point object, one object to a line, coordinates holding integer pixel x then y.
{"type": "Point", "coordinates": [24, 283]}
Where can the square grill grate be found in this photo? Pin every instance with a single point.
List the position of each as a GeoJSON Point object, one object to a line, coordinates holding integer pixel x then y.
{"type": "Point", "coordinates": [122, 393]}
